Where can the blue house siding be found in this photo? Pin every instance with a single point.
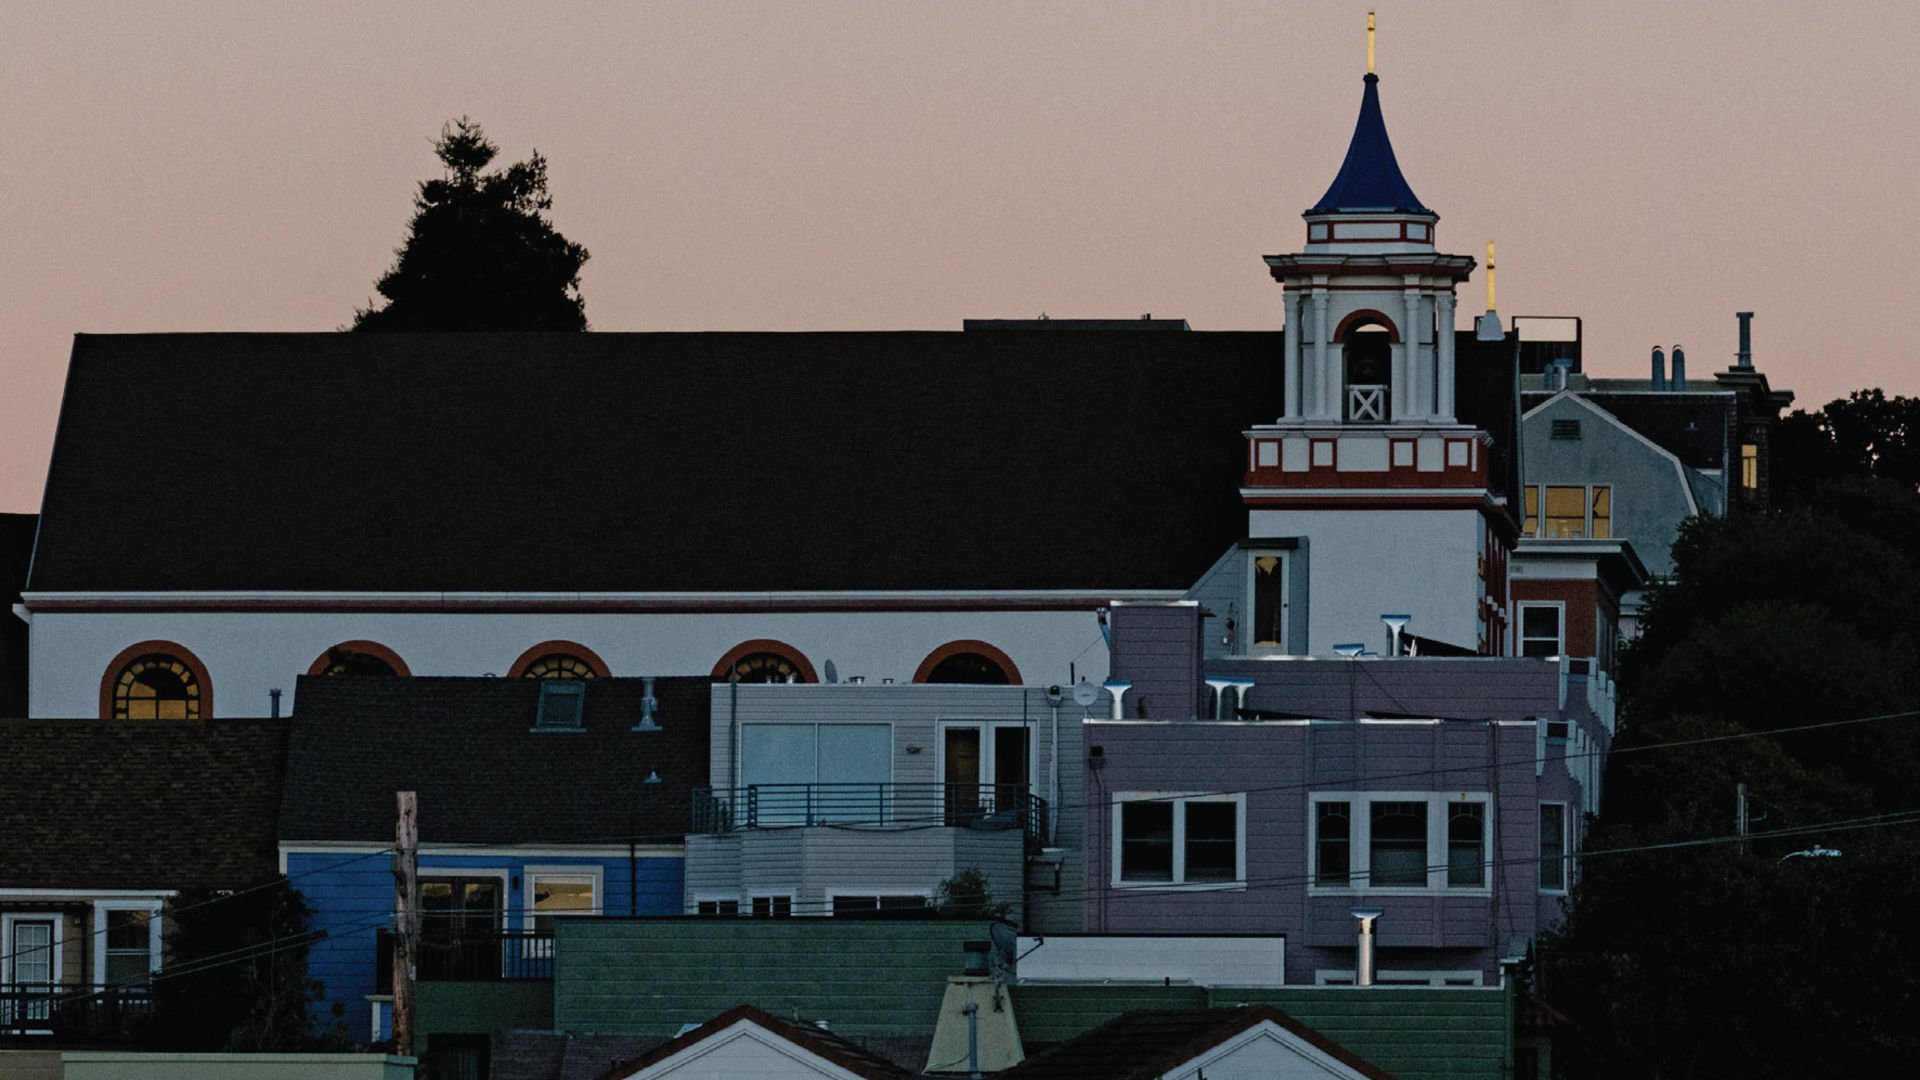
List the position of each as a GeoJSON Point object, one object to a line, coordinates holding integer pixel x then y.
{"type": "Point", "coordinates": [351, 898]}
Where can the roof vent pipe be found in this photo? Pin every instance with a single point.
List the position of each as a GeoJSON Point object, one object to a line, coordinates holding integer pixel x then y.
{"type": "Point", "coordinates": [648, 703]}
{"type": "Point", "coordinates": [1679, 370]}
{"type": "Point", "coordinates": [1659, 381]}
{"type": "Point", "coordinates": [1396, 626]}
{"type": "Point", "coordinates": [1744, 358]}
{"type": "Point", "coordinates": [1118, 688]}
{"type": "Point", "coordinates": [1364, 918]}
{"type": "Point", "coordinates": [273, 704]}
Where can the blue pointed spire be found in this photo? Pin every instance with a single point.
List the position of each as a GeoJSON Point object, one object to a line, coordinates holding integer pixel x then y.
{"type": "Point", "coordinates": [1370, 179]}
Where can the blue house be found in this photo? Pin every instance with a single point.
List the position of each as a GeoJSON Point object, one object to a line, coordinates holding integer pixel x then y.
{"type": "Point", "coordinates": [539, 799]}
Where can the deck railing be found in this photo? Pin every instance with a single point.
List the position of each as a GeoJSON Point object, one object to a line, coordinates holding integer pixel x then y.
{"type": "Point", "coordinates": [72, 1012]}
{"type": "Point", "coordinates": [977, 806]}
{"type": "Point", "coordinates": [470, 954]}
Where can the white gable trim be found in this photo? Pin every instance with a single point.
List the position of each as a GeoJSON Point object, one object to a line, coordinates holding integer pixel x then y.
{"type": "Point", "coordinates": [687, 1061]}
{"type": "Point", "coordinates": [1258, 1050]}
{"type": "Point", "coordinates": [1679, 469]}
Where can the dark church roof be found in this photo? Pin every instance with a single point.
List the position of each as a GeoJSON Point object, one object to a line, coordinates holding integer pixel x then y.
{"type": "Point", "coordinates": [16, 550]}
{"type": "Point", "coordinates": [140, 804]}
{"type": "Point", "coordinates": [483, 774]}
{"type": "Point", "coordinates": [1369, 179]}
{"type": "Point", "coordinates": [651, 462]}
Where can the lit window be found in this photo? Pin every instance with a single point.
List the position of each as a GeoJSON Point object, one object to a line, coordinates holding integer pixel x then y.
{"type": "Point", "coordinates": [560, 895]}
{"type": "Point", "coordinates": [1411, 840]}
{"type": "Point", "coordinates": [1749, 466]}
{"type": "Point", "coordinates": [559, 666]}
{"type": "Point", "coordinates": [1192, 840]}
{"type": "Point", "coordinates": [1540, 630]}
{"type": "Point", "coordinates": [1566, 512]}
{"type": "Point", "coordinates": [1530, 525]}
{"type": "Point", "coordinates": [1602, 511]}
{"type": "Point", "coordinates": [1553, 847]}
{"type": "Point", "coordinates": [156, 687]}
{"type": "Point", "coordinates": [1267, 573]}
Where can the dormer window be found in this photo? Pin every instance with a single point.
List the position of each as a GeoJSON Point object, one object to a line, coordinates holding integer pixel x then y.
{"type": "Point", "coordinates": [562, 704]}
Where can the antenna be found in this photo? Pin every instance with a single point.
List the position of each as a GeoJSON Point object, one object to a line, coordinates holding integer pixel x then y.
{"type": "Point", "coordinates": [1369, 42]}
{"type": "Point", "coordinates": [833, 673]}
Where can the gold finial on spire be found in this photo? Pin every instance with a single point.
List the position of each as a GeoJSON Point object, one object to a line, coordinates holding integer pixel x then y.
{"type": "Point", "coordinates": [1490, 304]}
{"type": "Point", "coordinates": [1369, 42]}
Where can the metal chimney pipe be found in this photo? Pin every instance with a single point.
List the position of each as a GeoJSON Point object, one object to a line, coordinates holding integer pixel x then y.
{"type": "Point", "coordinates": [1679, 370]}
{"type": "Point", "coordinates": [973, 1040]}
{"type": "Point", "coordinates": [1118, 688]}
{"type": "Point", "coordinates": [1363, 950]}
{"type": "Point", "coordinates": [1659, 370]}
{"type": "Point", "coordinates": [1744, 358]}
{"type": "Point", "coordinates": [273, 704]}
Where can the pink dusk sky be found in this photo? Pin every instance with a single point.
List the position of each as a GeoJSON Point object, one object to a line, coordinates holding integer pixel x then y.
{"type": "Point", "coordinates": [1650, 165]}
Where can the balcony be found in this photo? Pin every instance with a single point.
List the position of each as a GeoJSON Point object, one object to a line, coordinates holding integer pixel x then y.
{"type": "Point", "coordinates": [72, 1013]}
{"type": "Point", "coordinates": [470, 954]}
{"type": "Point", "coordinates": [718, 811]}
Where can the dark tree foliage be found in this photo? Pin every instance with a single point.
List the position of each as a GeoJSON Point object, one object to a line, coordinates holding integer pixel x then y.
{"type": "Point", "coordinates": [235, 978]}
{"type": "Point", "coordinates": [1722, 959]}
{"type": "Point", "coordinates": [1863, 436]}
{"type": "Point", "coordinates": [480, 252]}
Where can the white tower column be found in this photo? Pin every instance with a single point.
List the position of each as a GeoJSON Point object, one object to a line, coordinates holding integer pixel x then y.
{"type": "Point", "coordinates": [1291, 365]}
{"type": "Point", "coordinates": [1332, 385]}
{"type": "Point", "coordinates": [1443, 350]}
{"type": "Point", "coordinates": [1414, 399]}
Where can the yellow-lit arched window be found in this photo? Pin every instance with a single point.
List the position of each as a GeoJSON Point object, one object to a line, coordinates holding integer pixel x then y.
{"type": "Point", "coordinates": [156, 686]}
{"type": "Point", "coordinates": [559, 666]}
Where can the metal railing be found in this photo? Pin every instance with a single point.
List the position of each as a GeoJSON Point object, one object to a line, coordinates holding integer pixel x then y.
{"type": "Point", "coordinates": [977, 806]}
{"type": "Point", "coordinates": [72, 1012]}
{"type": "Point", "coordinates": [1366, 403]}
{"type": "Point", "coordinates": [469, 954]}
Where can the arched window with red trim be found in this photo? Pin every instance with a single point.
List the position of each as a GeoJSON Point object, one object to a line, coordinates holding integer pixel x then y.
{"type": "Point", "coordinates": [359, 658]}
{"type": "Point", "coordinates": [156, 680]}
{"type": "Point", "coordinates": [764, 660]}
{"type": "Point", "coordinates": [974, 662]}
{"type": "Point", "coordinates": [559, 660]}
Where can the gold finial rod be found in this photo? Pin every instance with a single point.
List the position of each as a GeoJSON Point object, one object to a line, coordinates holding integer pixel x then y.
{"type": "Point", "coordinates": [1490, 304]}
{"type": "Point", "coordinates": [1369, 42]}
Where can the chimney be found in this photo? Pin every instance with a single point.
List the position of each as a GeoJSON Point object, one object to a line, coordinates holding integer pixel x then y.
{"type": "Point", "coordinates": [1679, 370]}
{"type": "Point", "coordinates": [976, 1025]}
{"type": "Point", "coordinates": [1364, 918]}
{"type": "Point", "coordinates": [1659, 381]}
{"type": "Point", "coordinates": [1743, 360]}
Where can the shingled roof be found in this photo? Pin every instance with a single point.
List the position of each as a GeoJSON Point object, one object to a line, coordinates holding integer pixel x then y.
{"type": "Point", "coordinates": [1145, 1044]}
{"type": "Point", "coordinates": [154, 804]}
{"type": "Point", "coordinates": [468, 747]}
{"type": "Point", "coordinates": [820, 1043]}
{"type": "Point", "coordinates": [653, 462]}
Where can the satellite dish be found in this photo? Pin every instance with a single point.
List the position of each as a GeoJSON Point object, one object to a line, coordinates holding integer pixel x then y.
{"type": "Point", "coordinates": [1005, 940]}
{"type": "Point", "coordinates": [833, 673]}
{"type": "Point", "coordinates": [1085, 693]}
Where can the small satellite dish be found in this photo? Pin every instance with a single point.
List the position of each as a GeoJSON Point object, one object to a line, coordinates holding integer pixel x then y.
{"type": "Point", "coordinates": [1006, 941]}
{"type": "Point", "coordinates": [833, 673]}
{"type": "Point", "coordinates": [1085, 693]}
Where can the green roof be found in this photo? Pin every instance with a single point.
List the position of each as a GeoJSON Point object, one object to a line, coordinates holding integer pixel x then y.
{"type": "Point", "coordinates": [1415, 1033]}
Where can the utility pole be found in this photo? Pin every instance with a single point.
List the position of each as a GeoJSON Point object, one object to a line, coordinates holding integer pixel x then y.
{"type": "Point", "coordinates": [406, 916]}
{"type": "Point", "coordinates": [1740, 814]}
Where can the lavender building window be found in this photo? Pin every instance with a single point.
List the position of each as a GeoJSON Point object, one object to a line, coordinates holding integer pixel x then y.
{"type": "Point", "coordinates": [1399, 841]}
{"type": "Point", "coordinates": [1553, 847]}
{"type": "Point", "coordinates": [1179, 840]}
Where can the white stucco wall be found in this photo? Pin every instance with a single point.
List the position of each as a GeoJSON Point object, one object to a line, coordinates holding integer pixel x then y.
{"type": "Point", "coordinates": [247, 653]}
{"type": "Point", "coordinates": [1365, 563]}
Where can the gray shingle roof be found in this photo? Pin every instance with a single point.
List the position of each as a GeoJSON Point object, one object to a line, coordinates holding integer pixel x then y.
{"type": "Point", "coordinates": [468, 747]}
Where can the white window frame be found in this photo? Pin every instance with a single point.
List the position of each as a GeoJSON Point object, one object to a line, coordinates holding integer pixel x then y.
{"type": "Point", "coordinates": [1248, 647]}
{"type": "Point", "coordinates": [594, 876]}
{"type": "Point", "coordinates": [1397, 977]}
{"type": "Point", "coordinates": [1566, 849]}
{"type": "Point", "coordinates": [1360, 842]}
{"type": "Point", "coordinates": [100, 909]}
{"type": "Point", "coordinates": [714, 898]}
{"type": "Point", "coordinates": [881, 891]}
{"type": "Point", "coordinates": [57, 942]}
{"type": "Point", "coordinates": [791, 896]}
{"type": "Point", "coordinates": [987, 729]}
{"type": "Point", "coordinates": [1520, 623]}
{"type": "Point", "coordinates": [1179, 800]}
{"type": "Point", "coordinates": [1536, 526]}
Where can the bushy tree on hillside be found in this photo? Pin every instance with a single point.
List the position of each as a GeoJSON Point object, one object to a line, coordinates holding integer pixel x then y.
{"type": "Point", "coordinates": [1688, 955]}
{"type": "Point", "coordinates": [480, 252]}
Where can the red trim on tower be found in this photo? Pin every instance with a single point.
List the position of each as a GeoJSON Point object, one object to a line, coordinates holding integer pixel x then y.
{"type": "Point", "coordinates": [1369, 317]}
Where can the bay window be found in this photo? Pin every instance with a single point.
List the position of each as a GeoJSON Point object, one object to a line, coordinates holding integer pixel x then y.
{"type": "Point", "coordinates": [1363, 841]}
